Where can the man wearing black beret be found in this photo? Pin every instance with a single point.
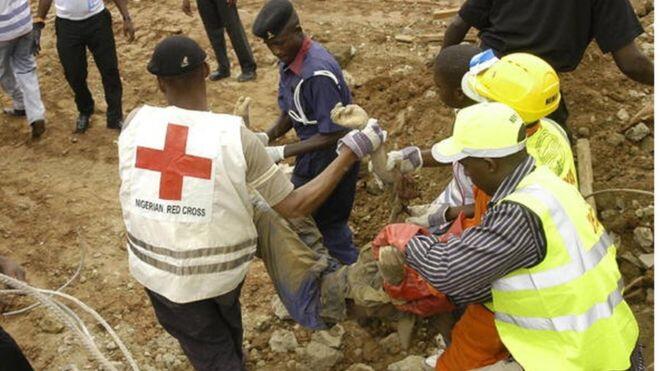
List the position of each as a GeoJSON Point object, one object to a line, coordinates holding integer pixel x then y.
{"type": "Point", "coordinates": [311, 84]}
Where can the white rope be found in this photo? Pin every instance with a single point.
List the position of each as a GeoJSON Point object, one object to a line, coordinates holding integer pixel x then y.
{"type": "Point", "coordinates": [82, 244]}
{"type": "Point", "coordinates": [615, 190]}
{"type": "Point", "coordinates": [54, 307]}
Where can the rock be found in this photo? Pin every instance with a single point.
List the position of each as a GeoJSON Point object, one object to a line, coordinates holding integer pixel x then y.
{"type": "Point", "coordinates": [410, 363]}
{"type": "Point", "coordinates": [649, 296]}
{"type": "Point", "coordinates": [409, 39]}
{"type": "Point", "coordinates": [623, 115]}
{"type": "Point", "coordinates": [261, 363]}
{"type": "Point", "coordinates": [279, 309]}
{"type": "Point", "coordinates": [391, 343]}
{"type": "Point", "coordinates": [110, 345]}
{"type": "Point", "coordinates": [630, 258]}
{"type": "Point", "coordinates": [331, 338]}
{"type": "Point", "coordinates": [430, 94]}
{"type": "Point", "coordinates": [359, 367]}
{"type": "Point", "coordinates": [321, 357]}
{"type": "Point", "coordinates": [440, 341]}
{"type": "Point", "coordinates": [629, 270]}
{"type": "Point", "coordinates": [608, 214]}
{"type": "Point", "coordinates": [262, 323]}
{"type": "Point", "coordinates": [647, 260]}
{"type": "Point", "coordinates": [343, 53]}
{"type": "Point", "coordinates": [615, 139]}
{"type": "Point", "coordinates": [282, 341]}
{"type": "Point", "coordinates": [584, 132]}
{"type": "Point", "coordinates": [50, 325]}
{"type": "Point", "coordinates": [638, 132]}
{"type": "Point", "coordinates": [644, 237]}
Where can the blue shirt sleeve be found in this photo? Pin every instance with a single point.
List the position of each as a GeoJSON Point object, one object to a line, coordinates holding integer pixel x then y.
{"type": "Point", "coordinates": [320, 94]}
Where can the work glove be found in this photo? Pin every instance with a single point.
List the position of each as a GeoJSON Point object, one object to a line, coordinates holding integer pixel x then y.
{"type": "Point", "coordinates": [365, 141]}
{"type": "Point", "coordinates": [36, 37]}
{"type": "Point", "coordinates": [427, 215]}
{"type": "Point", "coordinates": [351, 116]}
{"type": "Point", "coordinates": [263, 138]}
{"type": "Point", "coordinates": [406, 160]}
{"type": "Point", "coordinates": [276, 153]}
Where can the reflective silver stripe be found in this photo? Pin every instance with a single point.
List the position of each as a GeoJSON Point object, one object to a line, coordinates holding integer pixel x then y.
{"type": "Point", "coordinates": [580, 322]}
{"type": "Point", "coordinates": [192, 270]}
{"type": "Point", "coordinates": [582, 260]}
{"type": "Point", "coordinates": [188, 254]}
{"type": "Point", "coordinates": [300, 115]}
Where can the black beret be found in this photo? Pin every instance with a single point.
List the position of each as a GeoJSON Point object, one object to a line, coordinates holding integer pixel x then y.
{"type": "Point", "coordinates": [272, 18]}
{"type": "Point", "coordinates": [176, 55]}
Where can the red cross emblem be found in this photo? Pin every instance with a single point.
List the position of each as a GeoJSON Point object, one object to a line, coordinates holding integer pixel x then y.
{"type": "Point", "coordinates": [173, 163]}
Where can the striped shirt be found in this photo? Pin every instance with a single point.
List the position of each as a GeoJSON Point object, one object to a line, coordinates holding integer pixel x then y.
{"type": "Point", "coordinates": [509, 237]}
{"type": "Point", "coordinates": [15, 19]}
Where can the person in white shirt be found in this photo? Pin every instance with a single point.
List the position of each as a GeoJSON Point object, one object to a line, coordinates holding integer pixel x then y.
{"type": "Point", "coordinates": [82, 25]}
{"type": "Point", "coordinates": [18, 68]}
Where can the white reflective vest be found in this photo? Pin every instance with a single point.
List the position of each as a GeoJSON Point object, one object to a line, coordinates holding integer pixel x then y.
{"type": "Point", "coordinates": [185, 202]}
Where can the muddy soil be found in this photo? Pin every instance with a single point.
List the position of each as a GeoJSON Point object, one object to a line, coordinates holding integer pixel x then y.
{"type": "Point", "coordinates": [59, 196]}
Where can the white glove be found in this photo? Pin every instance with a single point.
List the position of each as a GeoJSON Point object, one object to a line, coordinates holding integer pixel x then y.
{"type": "Point", "coordinates": [351, 116]}
{"type": "Point", "coordinates": [276, 153]}
{"type": "Point", "coordinates": [406, 160]}
{"type": "Point", "coordinates": [263, 138]}
{"type": "Point", "coordinates": [427, 215]}
{"type": "Point", "coordinates": [365, 141]}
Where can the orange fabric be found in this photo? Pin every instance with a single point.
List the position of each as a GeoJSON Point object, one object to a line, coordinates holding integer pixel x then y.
{"type": "Point", "coordinates": [474, 339]}
{"type": "Point", "coordinates": [474, 342]}
{"type": "Point", "coordinates": [418, 296]}
{"type": "Point", "coordinates": [481, 200]}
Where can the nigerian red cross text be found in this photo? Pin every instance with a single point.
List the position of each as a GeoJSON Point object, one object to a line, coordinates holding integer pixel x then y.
{"type": "Point", "coordinates": [173, 163]}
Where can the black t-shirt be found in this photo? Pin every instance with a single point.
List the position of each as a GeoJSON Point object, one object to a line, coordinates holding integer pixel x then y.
{"type": "Point", "coordinates": [558, 31]}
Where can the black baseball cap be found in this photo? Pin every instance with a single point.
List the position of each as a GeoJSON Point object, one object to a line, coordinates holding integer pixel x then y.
{"type": "Point", "coordinates": [176, 55]}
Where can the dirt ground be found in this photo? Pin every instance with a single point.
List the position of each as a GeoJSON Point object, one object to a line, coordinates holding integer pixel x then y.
{"type": "Point", "coordinates": [61, 192]}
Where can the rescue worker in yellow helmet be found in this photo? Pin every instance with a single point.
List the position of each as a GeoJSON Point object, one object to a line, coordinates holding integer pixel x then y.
{"type": "Point", "coordinates": [539, 254]}
{"type": "Point", "coordinates": [531, 87]}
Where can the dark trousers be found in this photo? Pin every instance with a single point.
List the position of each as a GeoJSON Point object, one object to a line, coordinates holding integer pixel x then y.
{"type": "Point", "coordinates": [11, 357]}
{"type": "Point", "coordinates": [73, 40]}
{"type": "Point", "coordinates": [209, 331]}
{"type": "Point", "coordinates": [217, 17]}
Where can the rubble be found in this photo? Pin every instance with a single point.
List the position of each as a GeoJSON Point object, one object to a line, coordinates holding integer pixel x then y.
{"type": "Point", "coordinates": [359, 367]}
{"type": "Point", "coordinates": [410, 363]}
{"type": "Point", "coordinates": [331, 338]}
{"type": "Point", "coordinates": [644, 237]}
{"type": "Point", "coordinates": [282, 341]}
{"type": "Point", "coordinates": [391, 343]}
{"type": "Point", "coordinates": [638, 132]}
{"type": "Point", "coordinates": [647, 260]}
{"type": "Point", "coordinates": [320, 357]}
{"type": "Point", "coordinates": [279, 309]}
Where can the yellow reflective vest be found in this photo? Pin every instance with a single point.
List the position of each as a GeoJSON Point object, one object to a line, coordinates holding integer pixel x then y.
{"type": "Point", "coordinates": [567, 312]}
{"type": "Point", "coordinates": [549, 146]}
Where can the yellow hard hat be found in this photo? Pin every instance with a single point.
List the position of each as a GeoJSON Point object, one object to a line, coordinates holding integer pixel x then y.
{"type": "Point", "coordinates": [482, 130]}
{"type": "Point", "coordinates": [522, 81]}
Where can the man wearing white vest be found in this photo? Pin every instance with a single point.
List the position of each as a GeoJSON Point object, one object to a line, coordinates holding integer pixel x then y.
{"type": "Point", "coordinates": [187, 175]}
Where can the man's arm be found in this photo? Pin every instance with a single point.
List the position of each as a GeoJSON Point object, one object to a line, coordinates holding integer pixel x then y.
{"type": "Point", "coordinates": [304, 200]}
{"type": "Point", "coordinates": [634, 64]}
{"type": "Point", "coordinates": [455, 32]}
{"type": "Point", "coordinates": [314, 143]}
{"type": "Point", "coordinates": [129, 30]}
{"type": "Point", "coordinates": [280, 127]}
{"type": "Point", "coordinates": [510, 237]}
{"type": "Point", "coordinates": [42, 10]}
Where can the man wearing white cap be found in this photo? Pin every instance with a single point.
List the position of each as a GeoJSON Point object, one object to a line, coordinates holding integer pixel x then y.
{"type": "Point", "coordinates": [540, 254]}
